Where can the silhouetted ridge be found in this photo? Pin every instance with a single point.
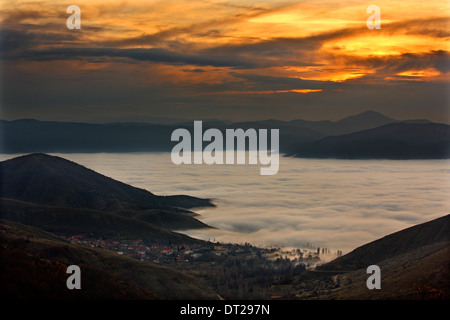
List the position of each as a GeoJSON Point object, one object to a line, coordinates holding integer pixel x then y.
{"type": "Point", "coordinates": [29, 135]}
{"type": "Point", "coordinates": [54, 181]}
{"type": "Point", "coordinates": [391, 141]}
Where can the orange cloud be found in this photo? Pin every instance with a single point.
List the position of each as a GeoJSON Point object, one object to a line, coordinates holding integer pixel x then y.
{"type": "Point", "coordinates": [301, 91]}
{"type": "Point", "coordinates": [199, 42]}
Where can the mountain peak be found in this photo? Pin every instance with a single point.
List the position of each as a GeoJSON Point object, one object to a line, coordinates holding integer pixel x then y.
{"type": "Point", "coordinates": [370, 115]}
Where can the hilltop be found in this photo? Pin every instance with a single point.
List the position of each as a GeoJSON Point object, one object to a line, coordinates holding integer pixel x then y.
{"type": "Point", "coordinates": [51, 180]}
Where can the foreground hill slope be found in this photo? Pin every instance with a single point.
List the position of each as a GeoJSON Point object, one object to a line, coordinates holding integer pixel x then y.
{"type": "Point", "coordinates": [422, 273]}
{"type": "Point", "coordinates": [394, 244]}
{"type": "Point", "coordinates": [34, 264]}
{"type": "Point", "coordinates": [414, 264]}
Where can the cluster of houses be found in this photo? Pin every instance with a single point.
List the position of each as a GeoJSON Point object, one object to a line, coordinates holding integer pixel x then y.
{"type": "Point", "coordinates": [157, 252]}
{"type": "Point", "coordinates": [208, 251]}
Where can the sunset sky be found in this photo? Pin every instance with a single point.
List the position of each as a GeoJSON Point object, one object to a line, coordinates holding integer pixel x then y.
{"type": "Point", "coordinates": [228, 60]}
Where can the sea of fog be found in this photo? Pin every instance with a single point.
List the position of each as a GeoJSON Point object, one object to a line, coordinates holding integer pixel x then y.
{"type": "Point", "coordinates": [326, 203]}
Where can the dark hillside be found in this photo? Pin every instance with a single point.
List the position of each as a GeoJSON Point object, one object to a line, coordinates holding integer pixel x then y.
{"type": "Point", "coordinates": [51, 180]}
{"type": "Point", "coordinates": [393, 245]}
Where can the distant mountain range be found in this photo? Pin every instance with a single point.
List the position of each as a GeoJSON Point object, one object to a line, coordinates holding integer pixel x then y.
{"type": "Point", "coordinates": [301, 138]}
{"type": "Point", "coordinates": [361, 121]}
{"type": "Point", "coordinates": [391, 141]}
{"type": "Point", "coordinates": [32, 136]}
{"type": "Point", "coordinates": [61, 196]}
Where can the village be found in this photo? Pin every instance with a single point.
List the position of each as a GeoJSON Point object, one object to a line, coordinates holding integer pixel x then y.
{"type": "Point", "coordinates": [233, 270]}
{"type": "Point", "coordinates": [208, 251]}
{"type": "Point", "coordinates": [161, 253]}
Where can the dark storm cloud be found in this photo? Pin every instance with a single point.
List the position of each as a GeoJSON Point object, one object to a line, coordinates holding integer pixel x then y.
{"type": "Point", "coordinates": [21, 45]}
{"type": "Point", "coordinates": [14, 43]}
{"type": "Point", "coordinates": [392, 65]}
{"type": "Point", "coordinates": [435, 59]}
{"type": "Point", "coordinates": [138, 54]}
{"type": "Point", "coordinates": [436, 27]}
{"type": "Point", "coordinates": [295, 51]}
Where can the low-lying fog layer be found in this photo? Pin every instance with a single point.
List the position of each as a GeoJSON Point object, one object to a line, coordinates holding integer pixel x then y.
{"type": "Point", "coordinates": [336, 204]}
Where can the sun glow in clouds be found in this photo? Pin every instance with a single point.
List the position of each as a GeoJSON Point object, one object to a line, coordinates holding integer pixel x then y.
{"type": "Point", "coordinates": [303, 91]}
{"type": "Point", "coordinates": [177, 57]}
